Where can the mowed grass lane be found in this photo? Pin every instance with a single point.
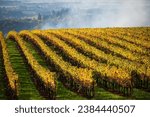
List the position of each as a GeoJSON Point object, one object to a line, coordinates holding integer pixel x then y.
{"type": "Point", "coordinates": [27, 89]}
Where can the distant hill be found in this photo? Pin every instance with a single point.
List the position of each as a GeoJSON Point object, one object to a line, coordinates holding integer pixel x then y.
{"type": "Point", "coordinates": [17, 25]}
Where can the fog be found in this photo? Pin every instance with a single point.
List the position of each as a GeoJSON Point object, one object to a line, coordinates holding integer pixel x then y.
{"type": "Point", "coordinates": [101, 13]}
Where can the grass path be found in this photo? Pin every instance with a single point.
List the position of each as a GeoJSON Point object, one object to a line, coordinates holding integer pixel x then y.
{"type": "Point", "coordinates": [27, 89]}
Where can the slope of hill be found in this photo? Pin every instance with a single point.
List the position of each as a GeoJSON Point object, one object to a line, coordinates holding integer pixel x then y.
{"type": "Point", "coordinates": [89, 63]}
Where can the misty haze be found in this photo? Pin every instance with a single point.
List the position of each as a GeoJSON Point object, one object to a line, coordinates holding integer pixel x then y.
{"type": "Point", "coordinates": [73, 13]}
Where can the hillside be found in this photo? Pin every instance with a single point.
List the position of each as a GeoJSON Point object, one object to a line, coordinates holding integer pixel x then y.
{"type": "Point", "coordinates": [90, 63]}
{"type": "Point", "coordinates": [14, 24]}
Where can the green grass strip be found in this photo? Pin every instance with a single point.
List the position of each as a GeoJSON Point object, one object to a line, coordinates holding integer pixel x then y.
{"type": "Point", "coordinates": [27, 89]}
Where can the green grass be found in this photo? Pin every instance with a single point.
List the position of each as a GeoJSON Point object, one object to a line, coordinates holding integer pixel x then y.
{"type": "Point", "coordinates": [101, 94]}
{"type": "Point", "coordinates": [27, 89]}
{"type": "Point", "coordinates": [139, 94]}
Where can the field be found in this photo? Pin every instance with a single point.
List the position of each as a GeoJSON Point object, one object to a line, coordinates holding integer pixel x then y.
{"type": "Point", "coordinates": [75, 64]}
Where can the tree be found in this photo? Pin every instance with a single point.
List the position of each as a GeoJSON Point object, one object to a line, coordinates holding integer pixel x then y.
{"type": "Point", "coordinates": [39, 17]}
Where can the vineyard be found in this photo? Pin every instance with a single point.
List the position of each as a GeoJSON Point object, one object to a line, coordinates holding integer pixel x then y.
{"type": "Point", "coordinates": [98, 63]}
